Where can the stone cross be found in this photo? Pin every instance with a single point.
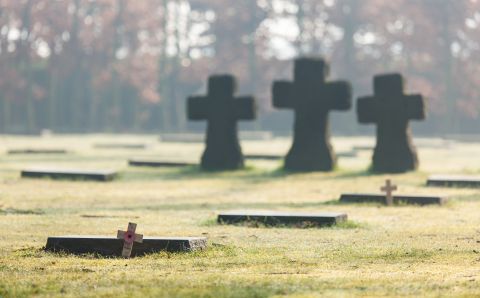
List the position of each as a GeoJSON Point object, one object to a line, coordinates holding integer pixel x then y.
{"type": "Point", "coordinates": [391, 110]}
{"type": "Point", "coordinates": [389, 189]}
{"type": "Point", "coordinates": [129, 237]}
{"type": "Point", "coordinates": [222, 110]}
{"type": "Point", "coordinates": [311, 98]}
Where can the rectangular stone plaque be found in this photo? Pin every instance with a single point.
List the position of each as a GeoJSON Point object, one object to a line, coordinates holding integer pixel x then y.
{"type": "Point", "coordinates": [158, 163]}
{"type": "Point", "coordinates": [263, 156]}
{"type": "Point", "coordinates": [454, 181]}
{"type": "Point", "coordinates": [70, 174]}
{"type": "Point", "coordinates": [381, 198]}
{"type": "Point", "coordinates": [351, 154]}
{"type": "Point", "coordinates": [37, 151]}
{"type": "Point", "coordinates": [112, 247]}
{"type": "Point", "coordinates": [120, 146]}
{"type": "Point", "coordinates": [200, 138]}
{"type": "Point", "coordinates": [281, 218]}
{"type": "Point", "coordinates": [363, 148]}
{"type": "Point", "coordinates": [279, 157]}
{"type": "Point", "coordinates": [182, 138]}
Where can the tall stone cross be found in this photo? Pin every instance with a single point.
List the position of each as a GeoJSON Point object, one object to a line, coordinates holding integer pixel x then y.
{"type": "Point", "coordinates": [129, 237]}
{"type": "Point", "coordinates": [391, 110]}
{"type": "Point", "coordinates": [389, 188]}
{"type": "Point", "coordinates": [312, 98]}
{"type": "Point", "coordinates": [222, 110]}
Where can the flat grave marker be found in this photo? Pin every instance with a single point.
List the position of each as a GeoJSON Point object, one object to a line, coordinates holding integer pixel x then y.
{"type": "Point", "coordinates": [276, 218]}
{"type": "Point", "coordinates": [120, 146]}
{"type": "Point", "coordinates": [353, 198]}
{"type": "Point", "coordinates": [363, 148]}
{"type": "Point", "coordinates": [389, 199]}
{"type": "Point", "coordinates": [454, 181]}
{"type": "Point", "coordinates": [31, 151]}
{"type": "Point", "coordinates": [200, 138]}
{"type": "Point", "coordinates": [126, 244]}
{"type": "Point", "coordinates": [137, 162]}
{"type": "Point", "coordinates": [69, 174]}
{"type": "Point", "coordinates": [344, 154]}
{"type": "Point", "coordinates": [263, 156]}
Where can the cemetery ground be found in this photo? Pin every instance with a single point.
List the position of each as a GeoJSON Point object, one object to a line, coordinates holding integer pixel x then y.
{"type": "Point", "coordinates": [391, 251]}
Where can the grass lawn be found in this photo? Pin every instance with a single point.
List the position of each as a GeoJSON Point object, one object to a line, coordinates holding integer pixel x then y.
{"type": "Point", "coordinates": [401, 251]}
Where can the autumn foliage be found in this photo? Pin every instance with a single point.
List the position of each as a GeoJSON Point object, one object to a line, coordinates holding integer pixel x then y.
{"type": "Point", "coordinates": [121, 65]}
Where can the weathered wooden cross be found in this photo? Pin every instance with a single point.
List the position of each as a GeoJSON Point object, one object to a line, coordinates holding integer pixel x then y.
{"type": "Point", "coordinates": [129, 237]}
{"type": "Point", "coordinates": [312, 98]}
{"type": "Point", "coordinates": [392, 110]}
{"type": "Point", "coordinates": [389, 188]}
{"type": "Point", "coordinates": [222, 111]}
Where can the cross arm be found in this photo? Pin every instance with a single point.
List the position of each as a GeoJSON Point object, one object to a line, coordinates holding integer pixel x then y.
{"type": "Point", "coordinates": [245, 108]}
{"type": "Point", "coordinates": [121, 234]}
{"type": "Point", "coordinates": [138, 238]}
{"type": "Point", "coordinates": [339, 95]}
{"type": "Point", "coordinates": [197, 108]}
{"type": "Point", "coordinates": [416, 107]}
{"type": "Point", "coordinates": [367, 110]}
{"type": "Point", "coordinates": [282, 94]}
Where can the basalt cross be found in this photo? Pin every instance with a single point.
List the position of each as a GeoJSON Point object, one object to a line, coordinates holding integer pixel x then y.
{"type": "Point", "coordinates": [312, 98]}
{"type": "Point", "coordinates": [392, 110]}
{"type": "Point", "coordinates": [129, 237]}
{"type": "Point", "coordinates": [222, 111]}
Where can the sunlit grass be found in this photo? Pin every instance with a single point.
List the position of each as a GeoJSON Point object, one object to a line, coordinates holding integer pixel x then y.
{"type": "Point", "coordinates": [401, 251]}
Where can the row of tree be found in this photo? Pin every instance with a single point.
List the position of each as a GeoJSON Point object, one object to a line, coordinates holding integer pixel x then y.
{"type": "Point", "coordinates": [120, 65]}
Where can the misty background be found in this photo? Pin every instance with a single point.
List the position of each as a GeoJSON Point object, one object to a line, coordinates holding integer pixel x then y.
{"type": "Point", "coordinates": [74, 66]}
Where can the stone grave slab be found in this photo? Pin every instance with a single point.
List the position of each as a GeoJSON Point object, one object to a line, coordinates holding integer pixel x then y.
{"type": "Point", "coordinates": [159, 163]}
{"type": "Point", "coordinates": [345, 154]}
{"type": "Point", "coordinates": [263, 156]}
{"type": "Point", "coordinates": [120, 146]}
{"type": "Point", "coordinates": [273, 218]}
{"type": "Point", "coordinates": [200, 138]}
{"type": "Point", "coordinates": [348, 154]}
{"type": "Point", "coordinates": [397, 199]}
{"type": "Point", "coordinates": [363, 148]}
{"type": "Point", "coordinates": [113, 247]}
{"type": "Point", "coordinates": [69, 174]}
{"type": "Point", "coordinates": [454, 181]}
{"type": "Point", "coordinates": [36, 151]}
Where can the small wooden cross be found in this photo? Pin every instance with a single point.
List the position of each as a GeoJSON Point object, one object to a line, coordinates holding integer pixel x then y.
{"type": "Point", "coordinates": [129, 237]}
{"type": "Point", "coordinates": [389, 188]}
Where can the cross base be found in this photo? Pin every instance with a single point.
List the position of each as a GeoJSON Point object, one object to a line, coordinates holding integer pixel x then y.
{"type": "Point", "coordinates": [310, 159]}
{"type": "Point", "coordinates": [399, 160]}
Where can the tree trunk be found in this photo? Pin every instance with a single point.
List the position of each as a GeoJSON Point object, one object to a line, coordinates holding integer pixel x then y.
{"type": "Point", "coordinates": [448, 68]}
{"type": "Point", "coordinates": [179, 102]}
{"type": "Point", "coordinates": [164, 105]}
{"type": "Point", "coordinates": [25, 65]}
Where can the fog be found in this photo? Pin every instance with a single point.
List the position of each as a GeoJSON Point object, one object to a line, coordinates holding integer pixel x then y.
{"type": "Point", "coordinates": [80, 66]}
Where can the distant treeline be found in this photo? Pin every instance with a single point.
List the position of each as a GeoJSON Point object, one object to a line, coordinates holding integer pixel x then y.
{"type": "Point", "coordinates": [127, 66]}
